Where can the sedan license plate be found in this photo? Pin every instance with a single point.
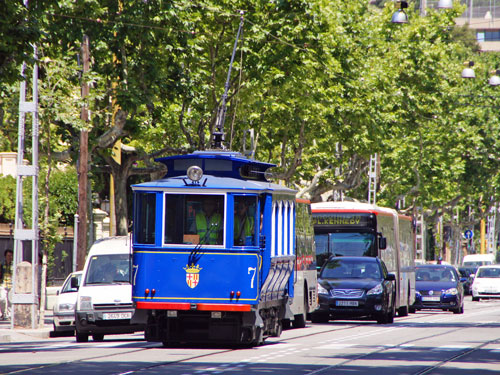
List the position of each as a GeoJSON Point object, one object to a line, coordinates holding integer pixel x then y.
{"type": "Point", "coordinates": [431, 299]}
{"type": "Point", "coordinates": [347, 303]}
{"type": "Point", "coordinates": [117, 316]}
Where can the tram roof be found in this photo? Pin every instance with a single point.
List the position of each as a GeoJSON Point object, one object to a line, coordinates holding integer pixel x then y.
{"type": "Point", "coordinates": [209, 182]}
{"type": "Point", "coordinates": [217, 163]}
{"type": "Point", "coordinates": [222, 170]}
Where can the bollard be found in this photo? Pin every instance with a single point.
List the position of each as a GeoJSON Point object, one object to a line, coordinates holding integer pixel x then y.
{"type": "Point", "coordinates": [22, 312]}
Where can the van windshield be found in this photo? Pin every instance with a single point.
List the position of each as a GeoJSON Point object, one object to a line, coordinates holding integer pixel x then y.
{"type": "Point", "coordinates": [108, 269]}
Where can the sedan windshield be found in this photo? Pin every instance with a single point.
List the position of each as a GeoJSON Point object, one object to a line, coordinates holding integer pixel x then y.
{"type": "Point", "coordinates": [435, 274]}
{"type": "Point", "coordinates": [351, 269]}
{"type": "Point", "coordinates": [492, 273]}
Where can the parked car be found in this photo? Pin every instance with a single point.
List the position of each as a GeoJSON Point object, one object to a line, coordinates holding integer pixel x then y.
{"type": "Point", "coordinates": [104, 303]}
{"type": "Point", "coordinates": [466, 278]}
{"type": "Point", "coordinates": [438, 287]}
{"type": "Point", "coordinates": [486, 282]}
{"type": "Point", "coordinates": [64, 307]}
{"type": "Point", "coordinates": [353, 288]}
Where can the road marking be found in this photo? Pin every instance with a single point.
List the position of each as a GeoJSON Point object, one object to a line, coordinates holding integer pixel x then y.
{"type": "Point", "coordinates": [335, 346]}
{"type": "Point", "coordinates": [452, 347]}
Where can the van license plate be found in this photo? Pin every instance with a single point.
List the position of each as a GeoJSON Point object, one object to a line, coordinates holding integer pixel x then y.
{"type": "Point", "coordinates": [117, 316]}
{"type": "Point", "coordinates": [347, 303]}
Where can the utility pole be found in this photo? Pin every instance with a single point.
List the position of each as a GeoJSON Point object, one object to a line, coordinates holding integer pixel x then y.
{"type": "Point", "coordinates": [83, 166]}
{"type": "Point", "coordinates": [372, 177]}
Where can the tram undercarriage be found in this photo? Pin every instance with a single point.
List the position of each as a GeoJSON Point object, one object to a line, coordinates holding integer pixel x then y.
{"type": "Point", "coordinates": [222, 327]}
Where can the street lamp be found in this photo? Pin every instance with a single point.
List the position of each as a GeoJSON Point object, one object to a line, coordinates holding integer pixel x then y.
{"type": "Point", "coordinates": [468, 72]}
{"type": "Point", "coordinates": [445, 4]}
{"type": "Point", "coordinates": [494, 79]}
{"type": "Point", "coordinates": [399, 15]}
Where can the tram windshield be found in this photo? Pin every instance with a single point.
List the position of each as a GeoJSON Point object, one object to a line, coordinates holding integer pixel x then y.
{"type": "Point", "coordinates": [344, 244]}
{"type": "Point", "coordinates": [194, 219]}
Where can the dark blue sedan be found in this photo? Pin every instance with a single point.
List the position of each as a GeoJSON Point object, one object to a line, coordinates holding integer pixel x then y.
{"type": "Point", "coordinates": [438, 287]}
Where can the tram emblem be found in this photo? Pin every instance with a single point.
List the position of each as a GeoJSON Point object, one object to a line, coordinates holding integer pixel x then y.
{"type": "Point", "coordinates": [192, 275]}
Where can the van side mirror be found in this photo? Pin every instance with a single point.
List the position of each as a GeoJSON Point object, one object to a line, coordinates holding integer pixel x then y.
{"type": "Point", "coordinates": [74, 283]}
{"type": "Point", "coordinates": [382, 243]}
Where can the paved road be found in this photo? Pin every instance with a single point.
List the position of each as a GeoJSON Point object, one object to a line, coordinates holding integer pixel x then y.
{"type": "Point", "coordinates": [422, 343]}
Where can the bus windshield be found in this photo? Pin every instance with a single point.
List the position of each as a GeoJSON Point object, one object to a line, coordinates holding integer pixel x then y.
{"type": "Point", "coordinates": [345, 244]}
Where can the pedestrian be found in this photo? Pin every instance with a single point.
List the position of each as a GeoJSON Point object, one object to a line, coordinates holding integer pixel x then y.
{"type": "Point", "coordinates": [5, 284]}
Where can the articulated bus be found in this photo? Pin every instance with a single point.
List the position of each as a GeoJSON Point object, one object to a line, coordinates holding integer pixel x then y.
{"type": "Point", "coordinates": [361, 229]}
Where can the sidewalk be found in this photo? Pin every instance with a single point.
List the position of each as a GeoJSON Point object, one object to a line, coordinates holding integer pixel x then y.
{"type": "Point", "coordinates": [23, 334]}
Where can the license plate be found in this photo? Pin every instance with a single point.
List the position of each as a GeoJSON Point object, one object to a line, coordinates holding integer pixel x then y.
{"type": "Point", "coordinates": [116, 316]}
{"type": "Point", "coordinates": [431, 299]}
{"type": "Point", "coordinates": [347, 303]}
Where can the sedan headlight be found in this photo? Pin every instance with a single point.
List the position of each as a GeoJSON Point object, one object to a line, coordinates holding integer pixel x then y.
{"type": "Point", "coordinates": [376, 290]}
{"type": "Point", "coordinates": [452, 291]}
{"type": "Point", "coordinates": [322, 290]}
{"type": "Point", "coordinates": [66, 307]}
{"type": "Point", "coordinates": [85, 303]}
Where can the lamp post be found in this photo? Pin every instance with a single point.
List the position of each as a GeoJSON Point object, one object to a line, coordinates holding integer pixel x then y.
{"type": "Point", "coordinates": [400, 15]}
{"type": "Point", "coordinates": [468, 73]}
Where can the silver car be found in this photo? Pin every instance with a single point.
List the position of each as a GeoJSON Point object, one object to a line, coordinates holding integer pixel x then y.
{"type": "Point", "coordinates": [64, 308]}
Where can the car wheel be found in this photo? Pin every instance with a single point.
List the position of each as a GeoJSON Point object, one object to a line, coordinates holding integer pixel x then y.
{"type": "Point", "coordinates": [382, 319]}
{"type": "Point", "coordinates": [390, 315]}
{"type": "Point", "coordinates": [412, 310]}
{"type": "Point", "coordinates": [319, 317]}
{"type": "Point", "coordinates": [476, 299]}
{"type": "Point", "coordinates": [97, 337]}
{"type": "Point", "coordinates": [82, 337]}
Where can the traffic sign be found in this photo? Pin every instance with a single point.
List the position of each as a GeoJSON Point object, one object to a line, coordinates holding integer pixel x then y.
{"type": "Point", "coordinates": [468, 234]}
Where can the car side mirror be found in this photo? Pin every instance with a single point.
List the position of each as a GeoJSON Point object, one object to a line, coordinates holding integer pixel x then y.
{"type": "Point", "coordinates": [58, 292]}
{"type": "Point", "coordinates": [390, 277]}
{"type": "Point", "coordinates": [74, 283]}
{"type": "Point", "coordinates": [382, 243]}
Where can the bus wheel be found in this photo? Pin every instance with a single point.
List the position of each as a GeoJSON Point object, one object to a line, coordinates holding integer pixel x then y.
{"type": "Point", "coordinates": [299, 320]}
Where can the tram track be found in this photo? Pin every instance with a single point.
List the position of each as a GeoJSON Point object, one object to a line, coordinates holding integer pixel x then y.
{"type": "Point", "coordinates": [329, 329]}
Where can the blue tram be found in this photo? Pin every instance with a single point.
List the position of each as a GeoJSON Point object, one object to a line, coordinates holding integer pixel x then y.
{"type": "Point", "coordinates": [214, 252]}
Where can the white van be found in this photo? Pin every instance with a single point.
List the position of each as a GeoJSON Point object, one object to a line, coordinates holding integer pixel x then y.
{"type": "Point", "coordinates": [104, 302]}
{"type": "Point", "coordinates": [477, 260]}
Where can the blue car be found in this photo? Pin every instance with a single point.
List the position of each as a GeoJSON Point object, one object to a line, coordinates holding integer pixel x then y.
{"type": "Point", "coordinates": [438, 287]}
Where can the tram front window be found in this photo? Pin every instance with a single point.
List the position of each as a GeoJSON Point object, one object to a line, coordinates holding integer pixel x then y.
{"type": "Point", "coordinates": [194, 219]}
{"type": "Point", "coordinates": [245, 210]}
{"type": "Point", "coordinates": [344, 244]}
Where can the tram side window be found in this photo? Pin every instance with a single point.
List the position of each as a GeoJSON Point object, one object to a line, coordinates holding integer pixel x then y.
{"type": "Point", "coordinates": [145, 218]}
{"type": "Point", "coordinates": [194, 219]}
{"type": "Point", "coordinates": [245, 211]}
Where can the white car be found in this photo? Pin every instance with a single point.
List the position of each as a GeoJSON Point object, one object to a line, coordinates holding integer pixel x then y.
{"type": "Point", "coordinates": [486, 282]}
{"type": "Point", "coordinates": [64, 307]}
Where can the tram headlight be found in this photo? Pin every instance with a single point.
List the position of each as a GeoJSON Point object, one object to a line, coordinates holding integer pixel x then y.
{"type": "Point", "coordinates": [375, 290]}
{"type": "Point", "coordinates": [194, 173]}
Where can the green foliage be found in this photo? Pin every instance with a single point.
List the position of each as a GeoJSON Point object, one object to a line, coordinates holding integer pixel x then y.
{"type": "Point", "coordinates": [324, 84]}
{"type": "Point", "coordinates": [7, 199]}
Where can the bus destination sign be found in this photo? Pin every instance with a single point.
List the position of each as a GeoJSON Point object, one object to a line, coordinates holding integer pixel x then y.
{"type": "Point", "coordinates": [342, 219]}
